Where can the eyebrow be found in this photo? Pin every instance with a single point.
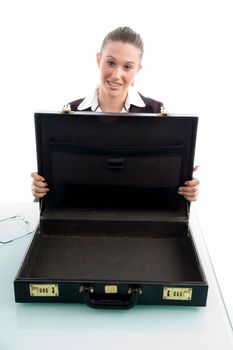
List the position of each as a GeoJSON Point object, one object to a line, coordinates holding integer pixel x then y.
{"type": "Point", "coordinates": [127, 62]}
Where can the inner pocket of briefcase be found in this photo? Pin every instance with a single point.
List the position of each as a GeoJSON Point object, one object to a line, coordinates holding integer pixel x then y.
{"type": "Point", "coordinates": [156, 166]}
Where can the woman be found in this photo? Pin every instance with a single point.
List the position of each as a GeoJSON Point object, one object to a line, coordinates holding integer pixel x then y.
{"type": "Point", "coordinates": [119, 61]}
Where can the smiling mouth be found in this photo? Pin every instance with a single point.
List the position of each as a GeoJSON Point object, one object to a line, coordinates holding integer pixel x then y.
{"type": "Point", "coordinates": [113, 85]}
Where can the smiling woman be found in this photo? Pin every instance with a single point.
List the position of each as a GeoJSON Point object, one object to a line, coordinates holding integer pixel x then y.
{"type": "Point", "coordinates": [119, 61]}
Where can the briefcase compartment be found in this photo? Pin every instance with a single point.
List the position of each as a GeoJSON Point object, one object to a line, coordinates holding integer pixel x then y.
{"type": "Point", "coordinates": [114, 166]}
{"type": "Point", "coordinates": [133, 253]}
{"type": "Point", "coordinates": [113, 231]}
{"type": "Point", "coordinates": [119, 249]}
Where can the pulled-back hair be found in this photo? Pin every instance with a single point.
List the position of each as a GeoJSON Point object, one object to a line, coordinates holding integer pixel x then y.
{"type": "Point", "coordinates": [125, 35]}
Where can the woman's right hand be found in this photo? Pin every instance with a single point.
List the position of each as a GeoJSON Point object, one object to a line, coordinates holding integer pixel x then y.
{"type": "Point", "coordinates": [39, 185]}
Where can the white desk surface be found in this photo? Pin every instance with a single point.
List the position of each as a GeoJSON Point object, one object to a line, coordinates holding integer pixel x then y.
{"type": "Point", "coordinates": [73, 326]}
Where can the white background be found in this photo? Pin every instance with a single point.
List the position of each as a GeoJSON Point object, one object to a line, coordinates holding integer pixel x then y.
{"type": "Point", "coordinates": [48, 51]}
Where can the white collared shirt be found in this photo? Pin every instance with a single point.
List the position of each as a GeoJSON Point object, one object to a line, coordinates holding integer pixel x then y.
{"type": "Point", "coordinates": [91, 101]}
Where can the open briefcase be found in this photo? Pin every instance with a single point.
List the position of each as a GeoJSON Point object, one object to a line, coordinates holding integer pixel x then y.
{"type": "Point", "coordinates": [113, 231]}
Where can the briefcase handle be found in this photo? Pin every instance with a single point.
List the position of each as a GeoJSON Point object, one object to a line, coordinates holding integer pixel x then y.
{"type": "Point", "coordinates": [111, 303]}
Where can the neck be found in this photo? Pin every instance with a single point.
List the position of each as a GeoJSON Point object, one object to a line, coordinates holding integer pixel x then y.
{"type": "Point", "coordinates": [109, 103]}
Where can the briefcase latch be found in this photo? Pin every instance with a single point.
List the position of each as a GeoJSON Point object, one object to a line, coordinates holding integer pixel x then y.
{"type": "Point", "coordinates": [177, 293]}
{"type": "Point", "coordinates": [111, 289]}
{"type": "Point", "coordinates": [116, 163]}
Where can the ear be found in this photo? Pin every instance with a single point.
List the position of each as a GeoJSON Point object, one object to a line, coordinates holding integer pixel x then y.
{"type": "Point", "coordinates": [98, 58]}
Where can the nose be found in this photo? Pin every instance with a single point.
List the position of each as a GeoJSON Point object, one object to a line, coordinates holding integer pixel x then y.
{"type": "Point", "coordinates": [117, 73]}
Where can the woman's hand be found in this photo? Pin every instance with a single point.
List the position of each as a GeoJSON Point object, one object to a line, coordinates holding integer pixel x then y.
{"type": "Point", "coordinates": [191, 189]}
{"type": "Point", "coordinates": [39, 186]}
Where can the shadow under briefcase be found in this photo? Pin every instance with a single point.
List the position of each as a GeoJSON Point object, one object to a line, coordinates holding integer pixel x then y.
{"type": "Point", "coordinates": [113, 231]}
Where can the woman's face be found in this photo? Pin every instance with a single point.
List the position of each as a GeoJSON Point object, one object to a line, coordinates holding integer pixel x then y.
{"type": "Point", "coordinates": [119, 63]}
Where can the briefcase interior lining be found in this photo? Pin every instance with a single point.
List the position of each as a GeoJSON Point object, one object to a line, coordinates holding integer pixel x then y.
{"type": "Point", "coordinates": [146, 249]}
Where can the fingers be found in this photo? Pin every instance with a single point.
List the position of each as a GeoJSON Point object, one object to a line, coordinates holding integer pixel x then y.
{"type": "Point", "coordinates": [37, 177]}
{"type": "Point", "coordinates": [39, 192]}
{"type": "Point", "coordinates": [191, 190]}
{"type": "Point", "coordinates": [39, 185]}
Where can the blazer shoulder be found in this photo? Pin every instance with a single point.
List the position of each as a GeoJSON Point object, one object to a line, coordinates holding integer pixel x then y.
{"type": "Point", "coordinates": [151, 106]}
{"type": "Point", "coordinates": [74, 104]}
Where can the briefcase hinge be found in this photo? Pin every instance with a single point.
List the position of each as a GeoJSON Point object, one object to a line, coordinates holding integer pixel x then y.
{"type": "Point", "coordinates": [67, 110]}
{"type": "Point", "coordinates": [163, 111]}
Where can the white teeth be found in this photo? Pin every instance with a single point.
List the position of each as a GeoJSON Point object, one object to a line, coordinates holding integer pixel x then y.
{"type": "Point", "coordinates": [113, 84]}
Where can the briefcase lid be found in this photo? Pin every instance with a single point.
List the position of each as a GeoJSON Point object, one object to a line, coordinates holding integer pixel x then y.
{"type": "Point", "coordinates": [109, 160]}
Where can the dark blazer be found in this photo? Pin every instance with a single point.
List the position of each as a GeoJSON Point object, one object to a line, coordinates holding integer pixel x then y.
{"type": "Point", "coordinates": [151, 106]}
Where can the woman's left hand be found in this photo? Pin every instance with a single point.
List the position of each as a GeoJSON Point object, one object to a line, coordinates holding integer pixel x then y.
{"type": "Point", "coordinates": [191, 189]}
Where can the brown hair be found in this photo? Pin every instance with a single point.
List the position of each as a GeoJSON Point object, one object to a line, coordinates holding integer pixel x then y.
{"type": "Point", "coordinates": [125, 35]}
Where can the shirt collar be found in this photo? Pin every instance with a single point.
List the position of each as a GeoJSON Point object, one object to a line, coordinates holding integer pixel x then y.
{"type": "Point", "coordinates": [91, 101]}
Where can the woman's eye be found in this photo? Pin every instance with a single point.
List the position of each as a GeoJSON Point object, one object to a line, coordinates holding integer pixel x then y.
{"type": "Point", "coordinates": [127, 67]}
{"type": "Point", "coordinates": [110, 63]}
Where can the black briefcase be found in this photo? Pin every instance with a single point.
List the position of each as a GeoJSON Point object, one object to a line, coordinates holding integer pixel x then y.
{"type": "Point", "coordinates": [113, 230]}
